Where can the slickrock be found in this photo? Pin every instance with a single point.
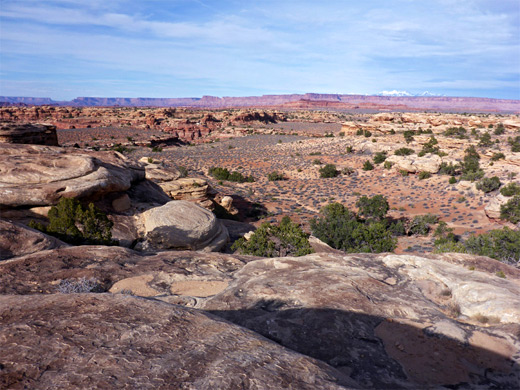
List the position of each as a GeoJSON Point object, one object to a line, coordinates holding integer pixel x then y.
{"type": "Point", "coordinates": [428, 163]}
{"type": "Point", "coordinates": [43, 271]}
{"type": "Point", "coordinates": [27, 133]}
{"type": "Point", "coordinates": [19, 240]}
{"type": "Point", "coordinates": [86, 341]}
{"type": "Point", "coordinates": [180, 224]}
{"type": "Point", "coordinates": [492, 209]}
{"type": "Point", "coordinates": [385, 320]}
{"type": "Point", "coordinates": [34, 175]}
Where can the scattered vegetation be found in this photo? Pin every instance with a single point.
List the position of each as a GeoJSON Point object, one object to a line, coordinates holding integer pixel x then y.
{"type": "Point", "coordinates": [72, 223]}
{"type": "Point", "coordinates": [498, 156]}
{"type": "Point", "coordinates": [510, 211]}
{"type": "Point", "coordinates": [500, 244]}
{"type": "Point", "coordinates": [510, 189]}
{"type": "Point", "coordinates": [449, 169]}
{"type": "Point", "coordinates": [367, 166]}
{"type": "Point", "coordinates": [286, 239]}
{"type": "Point", "coordinates": [328, 170]}
{"type": "Point", "coordinates": [485, 139]}
{"type": "Point", "coordinates": [514, 143]}
{"type": "Point", "coordinates": [379, 157]}
{"type": "Point", "coordinates": [275, 176]}
{"type": "Point", "coordinates": [79, 286]}
{"type": "Point", "coordinates": [499, 130]}
{"type": "Point", "coordinates": [429, 147]}
{"type": "Point", "coordinates": [342, 229]}
{"type": "Point", "coordinates": [224, 174]}
{"type": "Point", "coordinates": [421, 224]}
{"type": "Point", "coordinates": [456, 132]}
{"type": "Point", "coordinates": [471, 166]}
{"type": "Point", "coordinates": [424, 175]}
{"type": "Point", "coordinates": [489, 184]}
{"type": "Point", "coordinates": [404, 152]}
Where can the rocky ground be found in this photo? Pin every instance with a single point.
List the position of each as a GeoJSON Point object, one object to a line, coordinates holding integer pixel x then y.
{"type": "Point", "coordinates": [166, 310]}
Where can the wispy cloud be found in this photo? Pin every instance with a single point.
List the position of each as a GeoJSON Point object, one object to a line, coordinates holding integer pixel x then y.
{"type": "Point", "coordinates": [190, 47]}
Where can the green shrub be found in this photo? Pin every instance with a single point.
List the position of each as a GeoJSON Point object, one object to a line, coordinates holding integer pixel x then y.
{"type": "Point", "coordinates": [424, 175]}
{"type": "Point", "coordinates": [429, 147]}
{"type": "Point", "coordinates": [341, 229]}
{"type": "Point", "coordinates": [498, 156]}
{"type": "Point", "coordinates": [501, 244]}
{"type": "Point", "coordinates": [420, 224]}
{"type": "Point", "coordinates": [350, 149]}
{"type": "Point", "coordinates": [403, 172]}
{"type": "Point", "coordinates": [408, 136]}
{"type": "Point", "coordinates": [367, 166]}
{"type": "Point", "coordinates": [367, 134]}
{"type": "Point", "coordinates": [224, 174]}
{"type": "Point", "coordinates": [71, 222]}
{"type": "Point", "coordinates": [511, 189]}
{"type": "Point", "coordinates": [489, 184]}
{"type": "Point", "coordinates": [387, 165]}
{"type": "Point", "coordinates": [515, 143]}
{"type": "Point", "coordinates": [457, 132]}
{"type": "Point", "coordinates": [275, 176]}
{"type": "Point", "coordinates": [317, 162]}
{"type": "Point", "coordinates": [449, 169]}
{"type": "Point", "coordinates": [471, 167]}
{"type": "Point", "coordinates": [328, 170]}
{"type": "Point", "coordinates": [379, 157]}
{"type": "Point", "coordinates": [485, 140]}
{"type": "Point", "coordinates": [452, 180]}
{"type": "Point", "coordinates": [510, 211]}
{"type": "Point", "coordinates": [286, 239]}
{"type": "Point", "coordinates": [499, 130]}
{"type": "Point", "coordinates": [404, 152]}
{"type": "Point", "coordinates": [375, 207]}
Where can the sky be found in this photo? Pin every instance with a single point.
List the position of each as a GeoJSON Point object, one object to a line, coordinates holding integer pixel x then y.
{"type": "Point", "coordinates": [189, 48]}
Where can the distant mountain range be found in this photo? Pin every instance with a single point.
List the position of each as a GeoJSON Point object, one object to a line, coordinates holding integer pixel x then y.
{"type": "Point", "coordinates": [387, 100]}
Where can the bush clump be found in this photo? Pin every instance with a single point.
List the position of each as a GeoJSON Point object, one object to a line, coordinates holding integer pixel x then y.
{"type": "Point", "coordinates": [404, 152]}
{"type": "Point", "coordinates": [499, 130]}
{"type": "Point", "coordinates": [449, 169]}
{"type": "Point", "coordinates": [342, 229]}
{"type": "Point", "coordinates": [471, 166]}
{"type": "Point", "coordinates": [424, 175]}
{"type": "Point", "coordinates": [498, 156]}
{"type": "Point", "coordinates": [328, 170]}
{"type": "Point", "coordinates": [456, 132]}
{"type": "Point", "coordinates": [224, 174]}
{"type": "Point", "coordinates": [375, 207]}
{"type": "Point", "coordinates": [72, 223]}
{"type": "Point", "coordinates": [275, 176]}
{"type": "Point", "coordinates": [510, 211]}
{"type": "Point", "coordinates": [379, 157]}
{"type": "Point", "coordinates": [429, 147]}
{"type": "Point", "coordinates": [286, 239]}
{"type": "Point", "coordinates": [515, 143]}
{"type": "Point", "coordinates": [485, 139]}
{"type": "Point", "coordinates": [421, 224]}
{"type": "Point", "coordinates": [489, 184]}
{"type": "Point", "coordinates": [500, 244]}
{"type": "Point", "coordinates": [367, 166]}
{"type": "Point", "coordinates": [511, 189]}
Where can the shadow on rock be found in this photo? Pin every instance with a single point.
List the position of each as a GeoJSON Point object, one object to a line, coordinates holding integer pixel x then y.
{"type": "Point", "coordinates": [384, 353]}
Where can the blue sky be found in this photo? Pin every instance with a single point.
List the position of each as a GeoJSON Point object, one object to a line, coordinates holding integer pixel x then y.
{"type": "Point", "coordinates": [182, 48]}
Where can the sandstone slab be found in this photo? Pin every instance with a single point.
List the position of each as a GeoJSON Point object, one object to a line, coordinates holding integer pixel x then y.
{"type": "Point", "coordinates": [34, 175]}
{"type": "Point", "coordinates": [86, 341]}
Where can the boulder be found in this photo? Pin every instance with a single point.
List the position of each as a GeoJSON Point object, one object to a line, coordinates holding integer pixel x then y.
{"type": "Point", "coordinates": [388, 321]}
{"type": "Point", "coordinates": [27, 133]}
{"type": "Point", "coordinates": [428, 163]}
{"type": "Point", "coordinates": [34, 175]}
{"type": "Point", "coordinates": [492, 209]}
{"type": "Point", "coordinates": [18, 240]}
{"type": "Point", "coordinates": [181, 224]}
{"type": "Point", "coordinates": [87, 341]}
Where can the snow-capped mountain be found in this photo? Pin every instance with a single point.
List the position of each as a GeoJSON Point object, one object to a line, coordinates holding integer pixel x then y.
{"type": "Point", "coordinates": [406, 93]}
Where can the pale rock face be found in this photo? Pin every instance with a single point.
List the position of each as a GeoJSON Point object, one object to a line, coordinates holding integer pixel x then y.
{"type": "Point", "coordinates": [34, 175]}
{"type": "Point", "coordinates": [492, 209]}
{"type": "Point", "coordinates": [183, 225]}
{"type": "Point", "coordinates": [428, 163]}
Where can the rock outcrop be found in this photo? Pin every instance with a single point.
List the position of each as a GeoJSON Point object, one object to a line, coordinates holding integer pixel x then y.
{"type": "Point", "coordinates": [183, 225]}
{"type": "Point", "coordinates": [19, 240]}
{"type": "Point", "coordinates": [34, 175]}
{"type": "Point", "coordinates": [86, 341]}
{"type": "Point", "coordinates": [388, 321]}
{"type": "Point", "coordinates": [428, 163]}
{"type": "Point", "coordinates": [27, 133]}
